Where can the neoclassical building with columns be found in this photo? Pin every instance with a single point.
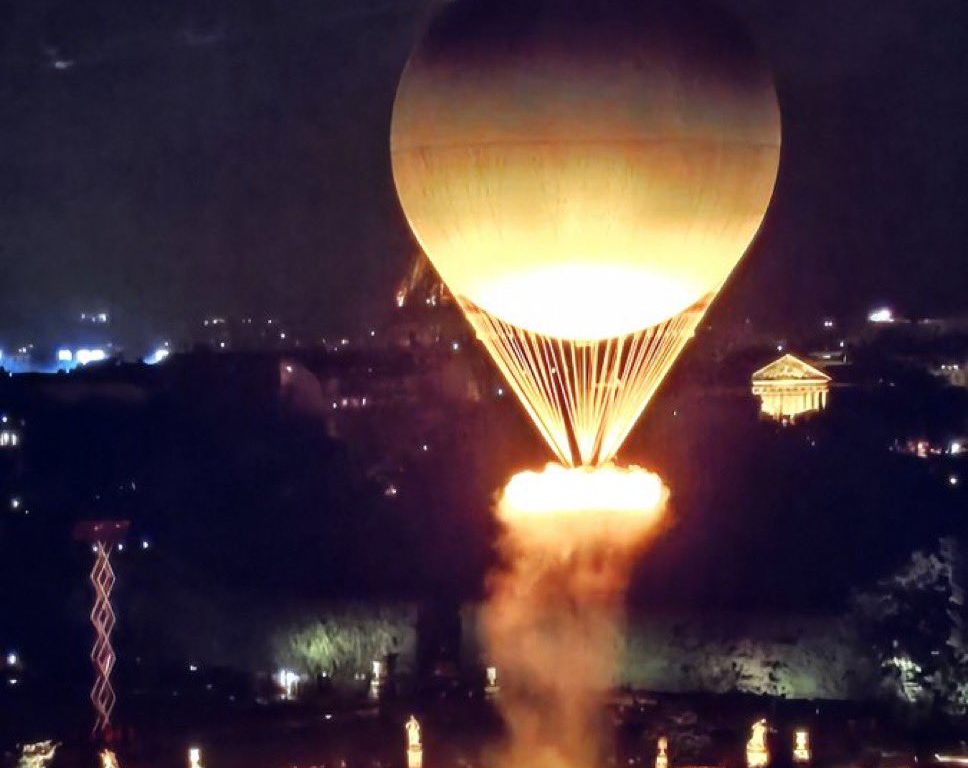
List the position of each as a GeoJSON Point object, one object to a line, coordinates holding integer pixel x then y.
{"type": "Point", "coordinates": [789, 388]}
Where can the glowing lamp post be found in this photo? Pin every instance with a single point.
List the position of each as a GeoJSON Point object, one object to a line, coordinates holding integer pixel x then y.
{"type": "Point", "coordinates": [377, 679]}
{"type": "Point", "coordinates": [103, 536]}
{"type": "Point", "coordinates": [757, 755]}
{"type": "Point", "coordinates": [414, 746]}
{"type": "Point", "coordinates": [801, 746]}
{"type": "Point", "coordinates": [195, 758]}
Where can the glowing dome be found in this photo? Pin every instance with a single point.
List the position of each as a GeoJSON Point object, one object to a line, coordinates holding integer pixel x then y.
{"type": "Point", "coordinates": [584, 170]}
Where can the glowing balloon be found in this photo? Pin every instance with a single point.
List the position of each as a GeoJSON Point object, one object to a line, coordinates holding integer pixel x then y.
{"type": "Point", "coordinates": [584, 176]}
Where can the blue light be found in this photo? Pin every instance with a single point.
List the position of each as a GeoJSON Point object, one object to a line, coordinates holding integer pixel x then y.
{"type": "Point", "coordinates": [158, 356]}
{"type": "Point", "coordinates": [85, 356]}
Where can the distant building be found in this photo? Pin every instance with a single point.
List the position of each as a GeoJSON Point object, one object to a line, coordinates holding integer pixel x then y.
{"type": "Point", "coordinates": [789, 388]}
{"type": "Point", "coordinates": [9, 438]}
{"type": "Point", "coordinates": [955, 374]}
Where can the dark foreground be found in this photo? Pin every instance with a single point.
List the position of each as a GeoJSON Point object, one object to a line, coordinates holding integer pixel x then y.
{"type": "Point", "coordinates": [461, 728]}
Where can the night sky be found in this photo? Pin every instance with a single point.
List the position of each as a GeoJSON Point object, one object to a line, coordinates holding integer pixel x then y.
{"type": "Point", "coordinates": [166, 160]}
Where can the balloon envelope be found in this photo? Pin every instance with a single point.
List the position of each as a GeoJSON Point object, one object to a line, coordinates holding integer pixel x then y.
{"type": "Point", "coordinates": [584, 170]}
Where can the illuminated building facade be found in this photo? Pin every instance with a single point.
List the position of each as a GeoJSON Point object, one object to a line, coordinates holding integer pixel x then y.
{"type": "Point", "coordinates": [789, 388]}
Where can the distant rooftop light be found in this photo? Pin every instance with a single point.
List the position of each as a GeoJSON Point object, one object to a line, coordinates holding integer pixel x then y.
{"type": "Point", "coordinates": [160, 354]}
{"type": "Point", "coordinates": [881, 315]}
{"type": "Point", "coordinates": [64, 355]}
{"type": "Point", "coordinates": [85, 356]}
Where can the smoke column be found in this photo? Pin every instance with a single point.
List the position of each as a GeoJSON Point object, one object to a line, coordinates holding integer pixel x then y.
{"type": "Point", "coordinates": [552, 623]}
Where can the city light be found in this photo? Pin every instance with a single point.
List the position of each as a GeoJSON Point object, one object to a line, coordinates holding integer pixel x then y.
{"type": "Point", "coordinates": [195, 758]}
{"type": "Point", "coordinates": [288, 681]}
{"type": "Point", "coordinates": [881, 315]}
{"type": "Point", "coordinates": [158, 356]}
{"type": "Point", "coordinates": [12, 659]}
{"type": "Point", "coordinates": [64, 356]}
{"type": "Point", "coordinates": [85, 356]}
{"type": "Point", "coordinates": [9, 438]}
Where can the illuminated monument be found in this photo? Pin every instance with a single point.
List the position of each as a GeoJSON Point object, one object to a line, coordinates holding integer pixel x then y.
{"type": "Point", "coordinates": [789, 388]}
{"type": "Point", "coordinates": [583, 176]}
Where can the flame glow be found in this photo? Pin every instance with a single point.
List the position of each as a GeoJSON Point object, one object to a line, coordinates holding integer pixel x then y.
{"type": "Point", "coordinates": [553, 617]}
{"type": "Point", "coordinates": [632, 493]}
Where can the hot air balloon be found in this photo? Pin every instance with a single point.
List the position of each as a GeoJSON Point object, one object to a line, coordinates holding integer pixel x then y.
{"type": "Point", "coordinates": [584, 175]}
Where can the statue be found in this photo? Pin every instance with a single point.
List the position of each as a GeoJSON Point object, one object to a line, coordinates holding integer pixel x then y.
{"type": "Point", "coordinates": [757, 755]}
{"type": "Point", "coordinates": [662, 756]}
{"type": "Point", "coordinates": [414, 747]}
{"type": "Point", "coordinates": [37, 755]}
{"type": "Point", "coordinates": [413, 733]}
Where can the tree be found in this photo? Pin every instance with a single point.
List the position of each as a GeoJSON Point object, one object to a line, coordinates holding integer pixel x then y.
{"type": "Point", "coordinates": [343, 643]}
{"type": "Point", "coordinates": [915, 622]}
